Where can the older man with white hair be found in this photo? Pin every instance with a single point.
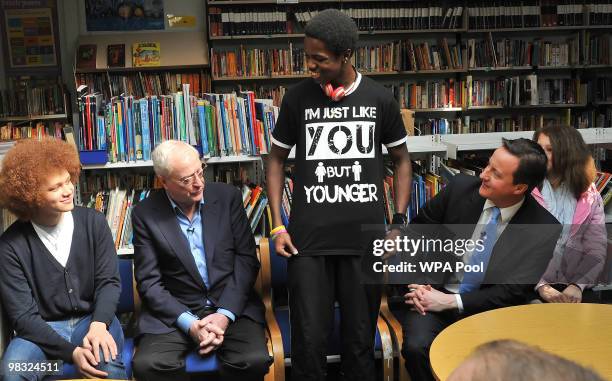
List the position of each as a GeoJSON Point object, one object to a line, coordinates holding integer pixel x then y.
{"type": "Point", "coordinates": [195, 264]}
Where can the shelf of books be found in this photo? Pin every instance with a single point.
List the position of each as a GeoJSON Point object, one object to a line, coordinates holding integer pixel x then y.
{"type": "Point", "coordinates": [33, 107]}
{"type": "Point", "coordinates": [480, 71]}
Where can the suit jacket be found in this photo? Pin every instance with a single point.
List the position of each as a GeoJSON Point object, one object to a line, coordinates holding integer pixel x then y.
{"type": "Point", "coordinates": [168, 280]}
{"type": "Point", "coordinates": [520, 255]}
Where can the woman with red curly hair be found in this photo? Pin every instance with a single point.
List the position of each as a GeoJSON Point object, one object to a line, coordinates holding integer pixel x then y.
{"type": "Point", "coordinates": [59, 281]}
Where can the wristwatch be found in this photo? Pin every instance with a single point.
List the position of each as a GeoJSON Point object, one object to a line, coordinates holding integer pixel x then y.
{"type": "Point", "coordinates": [399, 219]}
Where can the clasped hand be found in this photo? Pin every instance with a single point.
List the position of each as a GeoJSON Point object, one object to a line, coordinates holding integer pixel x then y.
{"type": "Point", "coordinates": [209, 332]}
{"type": "Point", "coordinates": [424, 298]}
{"type": "Point", "coordinates": [87, 356]}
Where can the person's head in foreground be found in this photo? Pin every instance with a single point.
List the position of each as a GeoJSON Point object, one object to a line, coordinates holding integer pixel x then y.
{"type": "Point", "coordinates": [514, 170]}
{"type": "Point", "coordinates": [37, 179]}
{"type": "Point", "coordinates": [509, 360]}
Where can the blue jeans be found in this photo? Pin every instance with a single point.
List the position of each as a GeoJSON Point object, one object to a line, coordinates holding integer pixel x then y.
{"type": "Point", "coordinates": [73, 330]}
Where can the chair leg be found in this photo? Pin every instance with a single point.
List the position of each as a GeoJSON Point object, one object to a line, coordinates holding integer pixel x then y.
{"type": "Point", "coordinates": [396, 329]}
{"type": "Point", "coordinates": [387, 349]}
{"type": "Point", "coordinates": [271, 372]}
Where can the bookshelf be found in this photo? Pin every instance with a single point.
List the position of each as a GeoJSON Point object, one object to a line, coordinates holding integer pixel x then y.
{"type": "Point", "coordinates": [564, 41]}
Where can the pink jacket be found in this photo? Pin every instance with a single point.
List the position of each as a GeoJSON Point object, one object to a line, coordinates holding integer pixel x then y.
{"type": "Point", "coordinates": [586, 249]}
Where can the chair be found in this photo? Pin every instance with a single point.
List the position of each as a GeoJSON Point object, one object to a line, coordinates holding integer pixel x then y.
{"type": "Point", "coordinates": [274, 274]}
{"type": "Point", "coordinates": [196, 364]}
{"type": "Point", "coordinates": [128, 302]}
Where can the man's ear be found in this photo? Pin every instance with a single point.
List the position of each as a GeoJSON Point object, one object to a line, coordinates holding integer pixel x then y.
{"type": "Point", "coordinates": [520, 189]}
{"type": "Point", "coordinates": [162, 181]}
{"type": "Point", "coordinates": [347, 55]}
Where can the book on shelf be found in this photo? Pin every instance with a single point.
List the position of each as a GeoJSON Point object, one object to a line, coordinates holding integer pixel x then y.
{"type": "Point", "coordinates": [115, 55]}
{"type": "Point", "coordinates": [12, 131]}
{"type": "Point", "coordinates": [219, 124]}
{"type": "Point", "coordinates": [430, 94]}
{"type": "Point", "coordinates": [602, 179]}
{"type": "Point", "coordinates": [260, 20]}
{"type": "Point", "coordinates": [86, 56]}
{"type": "Point", "coordinates": [7, 219]}
{"type": "Point", "coordinates": [146, 54]}
{"type": "Point", "coordinates": [424, 186]}
{"type": "Point", "coordinates": [251, 62]}
{"type": "Point", "coordinates": [141, 84]}
{"type": "Point", "coordinates": [526, 14]}
{"type": "Point", "coordinates": [33, 97]}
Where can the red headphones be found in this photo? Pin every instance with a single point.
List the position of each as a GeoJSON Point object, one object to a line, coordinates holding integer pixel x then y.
{"type": "Point", "coordinates": [340, 92]}
{"type": "Point", "coordinates": [335, 94]}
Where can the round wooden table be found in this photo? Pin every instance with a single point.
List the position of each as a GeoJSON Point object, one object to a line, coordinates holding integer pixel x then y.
{"type": "Point", "coordinates": [579, 332]}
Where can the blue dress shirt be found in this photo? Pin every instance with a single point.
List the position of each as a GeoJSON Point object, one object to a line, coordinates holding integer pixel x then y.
{"type": "Point", "coordinates": [193, 232]}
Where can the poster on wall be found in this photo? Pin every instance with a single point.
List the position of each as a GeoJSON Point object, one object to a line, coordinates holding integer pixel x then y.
{"type": "Point", "coordinates": [118, 15]}
{"type": "Point", "coordinates": [31, 42]}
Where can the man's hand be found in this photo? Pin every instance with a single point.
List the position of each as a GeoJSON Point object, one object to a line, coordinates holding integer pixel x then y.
{"type": "Point", "coordinates": [428, 299]}
{"type": "Point", "coordinates": [85, 363]}
{"type": "Point", "coordinates": [98, 338]}
{"type": "Point", "coordinates": [216, 323]}
{"type": "Point", "coordinates": [283, 245]}
{"type": "Point", "coordinates": [550, 295]}
{"type": "Point", "coordinates": [414, 296]}
{"type": "Point", "coordinates": [573, 294]}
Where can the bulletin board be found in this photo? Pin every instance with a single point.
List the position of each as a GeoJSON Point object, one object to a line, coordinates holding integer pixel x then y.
{"type": "Point", "coordinates": [30, 37]}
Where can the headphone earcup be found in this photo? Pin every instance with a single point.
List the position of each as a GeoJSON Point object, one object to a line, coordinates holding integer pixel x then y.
{"type": "Point", "coordinates": [328, 89]}
{"type": "Point", "coordinates": [338, 93]}
{"type": "Point", "coordinates": [334, 94]}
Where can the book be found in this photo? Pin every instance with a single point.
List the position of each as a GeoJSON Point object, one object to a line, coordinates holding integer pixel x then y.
{"type": "Point", "coordinates": [115, 55]}
{"type": "Point", "coordinates": [145, 54]}
{"type": "Point", "coordinates": [86, 56]}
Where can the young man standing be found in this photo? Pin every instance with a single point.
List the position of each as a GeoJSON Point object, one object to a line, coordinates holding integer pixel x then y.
{"type": "Point", "coordinates": [337, 120]}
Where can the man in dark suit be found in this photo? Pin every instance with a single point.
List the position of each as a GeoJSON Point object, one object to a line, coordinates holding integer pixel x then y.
{"type": "Point", "coordinates": [195, 264]}
{"type": "Point", "coordinates": [516, 240]}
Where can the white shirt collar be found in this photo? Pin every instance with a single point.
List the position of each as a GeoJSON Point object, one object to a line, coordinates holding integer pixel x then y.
{"type": "Point", "coordinates": [354, 85]}
{"type": "Point", "coordinates": [57, 239]}
{"type": "Point", "coordinates": [506, 213]}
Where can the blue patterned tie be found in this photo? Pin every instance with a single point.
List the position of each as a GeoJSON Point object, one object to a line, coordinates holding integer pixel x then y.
{"type": "Point", "coordinates": [472, 280]}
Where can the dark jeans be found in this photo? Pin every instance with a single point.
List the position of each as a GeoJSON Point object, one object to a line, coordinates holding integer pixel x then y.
{"type": "Point", "coordinates": [73, 330]}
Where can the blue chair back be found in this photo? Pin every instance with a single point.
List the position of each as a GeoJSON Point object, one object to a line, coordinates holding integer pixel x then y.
{"type": "Point", "coordinates": [278, 268]}
{"type": "Point", "coordinates": [126, 298]}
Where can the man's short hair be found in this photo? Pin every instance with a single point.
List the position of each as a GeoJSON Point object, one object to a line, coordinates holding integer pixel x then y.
{"type": "Point", "coordinates": [532, 162]}
{"type": "Point", "coordinates": [161, 155]}
{"type": "Point", "coordinates": [513, 360]}
{"type": "Point", "coordinates": [336, 29]}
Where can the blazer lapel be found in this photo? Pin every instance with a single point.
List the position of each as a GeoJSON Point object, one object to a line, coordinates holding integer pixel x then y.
{"type": "Point", "coordinates": [210, 222]}
{"type": "Point", "coordinates": [169, 227]}
{"type": "Point", "coordinates": [509, 236]}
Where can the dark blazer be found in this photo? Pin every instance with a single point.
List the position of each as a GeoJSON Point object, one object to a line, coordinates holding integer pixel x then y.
{"type": "Point", "coordinates": [168, 280]}
{"type": "Point", "coordinates": [521, 252]}
{"type": "Point", "coordinates": [35, 288]}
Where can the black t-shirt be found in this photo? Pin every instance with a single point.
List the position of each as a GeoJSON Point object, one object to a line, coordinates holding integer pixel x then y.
{"type": "Point", "coordinates": [338, 184]}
